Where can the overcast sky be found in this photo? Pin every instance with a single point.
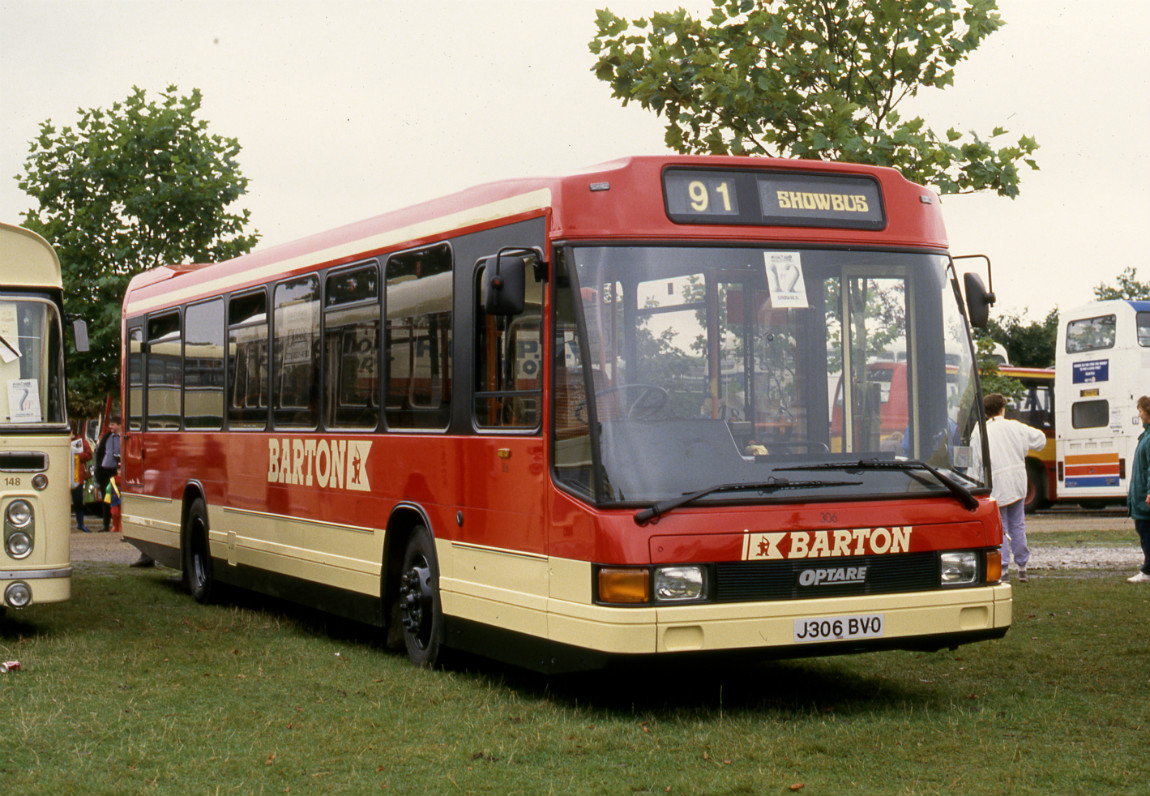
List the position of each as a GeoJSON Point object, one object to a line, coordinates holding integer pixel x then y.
{"type": "Point", "coordinates": [348, 109]}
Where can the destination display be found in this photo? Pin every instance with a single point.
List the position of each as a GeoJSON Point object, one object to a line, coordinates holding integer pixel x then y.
{"type": "Point", "coordinates": [756, 198]}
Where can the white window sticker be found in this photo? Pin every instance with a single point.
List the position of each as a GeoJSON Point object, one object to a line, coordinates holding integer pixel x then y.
{"type": "Point", "coordinates": [24, 401]}
{"type": "Point", "coordinates": [785, 277]}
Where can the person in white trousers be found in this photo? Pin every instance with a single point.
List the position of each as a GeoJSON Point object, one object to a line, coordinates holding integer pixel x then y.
{"type": "Point", "coordinates": [1010, 441]}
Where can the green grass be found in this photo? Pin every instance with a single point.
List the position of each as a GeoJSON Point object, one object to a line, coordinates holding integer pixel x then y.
{"type": "Point", "coordinates": [1089, 538]}
{"type": "Point", "coordinates": [131, 687]}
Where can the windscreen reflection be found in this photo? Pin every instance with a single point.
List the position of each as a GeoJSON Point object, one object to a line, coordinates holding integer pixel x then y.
{"type": "Point", "coordinates": [681, 369]}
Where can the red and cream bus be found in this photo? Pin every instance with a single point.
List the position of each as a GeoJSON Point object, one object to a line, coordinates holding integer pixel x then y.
{"type": "Point", "coordinates": [565, 420]}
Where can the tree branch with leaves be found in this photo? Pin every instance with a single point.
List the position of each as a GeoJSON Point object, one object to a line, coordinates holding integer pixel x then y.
{"type": "Point", "coordinates": [816, 79]}
{"type": "Point", "coordinates": [140, 185]}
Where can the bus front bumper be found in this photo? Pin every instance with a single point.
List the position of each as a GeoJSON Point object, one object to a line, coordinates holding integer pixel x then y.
{"type": "Point", "coordinates": [20, 588]}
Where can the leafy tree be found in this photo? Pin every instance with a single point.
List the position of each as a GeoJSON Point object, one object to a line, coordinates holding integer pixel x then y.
{"type": "Point", "coordinates": [818, 79]}
{"type": "Point", "coordinates": [991, 378]}
{"type": "Point", "coordinates": [140, 185]}
{"type": "Point", "coordinates": [1030, 344]}
{"type": "Point", "coordinates": [1128, 287]}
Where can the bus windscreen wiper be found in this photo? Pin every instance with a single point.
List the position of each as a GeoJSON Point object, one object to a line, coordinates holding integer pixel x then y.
{"type": "Point", "coordinates": [956, 489]}
{"type": "Point", "coordinates": [10, 347]}
{"type": "Point", "coordinates": [770, 485]}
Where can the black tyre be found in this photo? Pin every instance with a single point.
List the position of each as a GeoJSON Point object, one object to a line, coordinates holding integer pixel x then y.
{"type": "Point", "coordinates": [197, 556]}
{"type": "Point", "coordinates": [420, 610]}
{"type": "Point", "coordinates": [1035, 487]}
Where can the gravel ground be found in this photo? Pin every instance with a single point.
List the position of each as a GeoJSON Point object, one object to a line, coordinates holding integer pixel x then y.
{"type": "Point", "coordinates": [110, 547]}
{"type": "Point", "coordinates": [1085, 554]}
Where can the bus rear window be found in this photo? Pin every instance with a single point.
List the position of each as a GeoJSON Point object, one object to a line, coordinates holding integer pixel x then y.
{"type": "Point", "coordinates": [1090, 414]}
{"type": "Point", "coordinates": [1090, 334]}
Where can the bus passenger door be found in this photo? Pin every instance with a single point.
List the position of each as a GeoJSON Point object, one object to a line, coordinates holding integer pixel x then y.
{"type": "Point", "coordinates": [131, 448]}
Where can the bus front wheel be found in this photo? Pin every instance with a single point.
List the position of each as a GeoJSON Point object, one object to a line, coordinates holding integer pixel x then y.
{"type": "Point", "coordinates": [197, 556]}
{"type": "Point", "coordinates": [420, 610]}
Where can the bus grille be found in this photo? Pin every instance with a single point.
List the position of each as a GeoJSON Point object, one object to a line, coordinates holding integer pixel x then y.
{"type": "Point", "coordinates": [23, 462]}
{"type": "Point", "coordinates": [747, 581]}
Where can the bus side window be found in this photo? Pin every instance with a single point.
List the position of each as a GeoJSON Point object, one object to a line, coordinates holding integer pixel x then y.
{"type": "Point", "coordinates": [164, 372]}
{"type": "Point", "coordinates": [351, 330]}
{"type": "Point", "coordinates": [509, 361]}
{"type": "Point", "coordinates": [248, 361]}
{"type": "Point", "coordinates": [419, 338]}
{"type": "Point", "coordinates": [135, 408]}
{"type": "Point", "coordinates": [295, 362]}
{"type": "Point", "coordinates": [204, 365]}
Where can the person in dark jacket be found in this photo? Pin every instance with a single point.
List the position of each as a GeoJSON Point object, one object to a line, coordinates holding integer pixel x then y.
{"type": "Point", "coordinates": [1138, 499]}
{"type": "Point", "coordinates": [107, 462]}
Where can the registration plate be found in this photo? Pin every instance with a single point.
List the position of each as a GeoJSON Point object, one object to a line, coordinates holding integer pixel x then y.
{"type": "Point", "coordinates": [838, 628]}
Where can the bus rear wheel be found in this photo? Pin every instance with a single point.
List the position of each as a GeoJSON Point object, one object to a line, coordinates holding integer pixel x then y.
{"type": "Point", "coordinates": [1035, 487]}
{"type": "Point", "coordinates": [420, 610]}
{"type": "Point", "coordinates": [197, 555]}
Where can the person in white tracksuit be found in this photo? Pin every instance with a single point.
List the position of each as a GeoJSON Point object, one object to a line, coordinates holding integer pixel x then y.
{"type": "Point", "coordinates": [1010, 440]}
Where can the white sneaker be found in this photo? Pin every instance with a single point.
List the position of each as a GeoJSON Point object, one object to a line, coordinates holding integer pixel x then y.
{"type": "Point", "coordinates": [1141, 577]}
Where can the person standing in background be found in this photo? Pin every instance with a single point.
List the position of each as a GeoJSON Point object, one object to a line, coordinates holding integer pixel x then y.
{"type": "Point", "coordinates": [1138, 498]}
{"type": "Point", "coordinates": [107, 462]}
{"type": "Point", "coordinates": [1009, 442]}
{"type": "Point", "coordinates": [81, 455]}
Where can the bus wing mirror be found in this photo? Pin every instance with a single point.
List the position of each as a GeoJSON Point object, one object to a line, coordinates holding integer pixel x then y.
{"type": "Point", "coordinates": [505, 280]}
{"type": "Point", "coordinates": [80, 335]}
{"type": "Point", "coordinates": [978, 300]}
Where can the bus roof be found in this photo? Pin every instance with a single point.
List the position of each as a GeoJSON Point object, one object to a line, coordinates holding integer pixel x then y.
{"type": "Point", "coordinates": [596, 203]}
{"type": "Point", "coordinates": [26, 259]}
{"type": "Point", "coordinates": [1095, 308]}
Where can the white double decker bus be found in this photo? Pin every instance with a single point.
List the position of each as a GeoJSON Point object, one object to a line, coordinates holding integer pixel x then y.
{"type": "Point", "coordinates": [1102, 367]}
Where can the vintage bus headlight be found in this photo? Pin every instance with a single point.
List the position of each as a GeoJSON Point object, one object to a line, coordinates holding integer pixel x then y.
{"type": "Point", "coordinates": [680, 583]}
{"type": "Point", "coordinates": [959, 568]}
{"type": "Point", "coordinates": [19, 514]}
{"type": "Point", "coordinates": [18, 595]}
{"type": "Point", "coordinates": [18, 544]}
{"type": "Point", "coordinates": [19, 529]}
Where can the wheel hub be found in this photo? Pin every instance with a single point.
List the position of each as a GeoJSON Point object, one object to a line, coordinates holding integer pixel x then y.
{"type": "Point", "coordinates": [415, 600]}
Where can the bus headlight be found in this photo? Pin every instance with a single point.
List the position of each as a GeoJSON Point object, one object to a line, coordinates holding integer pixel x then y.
{"type": "Point", "coordinates": [18, 544]}
{"type": "Point", "coordinates": [18, 595]}
{"type": "Point", "coordinates": [959, 568]}
{"type": "Point", "coordinates": [19, 529]}
{"type": "Point", "coordinates": [19, 514]}
{"type": "Point", "coordinates": [679, 583]}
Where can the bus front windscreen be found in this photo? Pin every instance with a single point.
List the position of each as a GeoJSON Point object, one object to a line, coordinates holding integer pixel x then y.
{"type": "Point", "coordinates": [31, 363]}
{"type": "Point", "coordinates": [760, 374]}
